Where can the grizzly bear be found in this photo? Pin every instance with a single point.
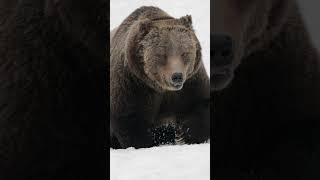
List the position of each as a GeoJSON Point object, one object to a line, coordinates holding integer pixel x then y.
{"type": "Point", "coordinates": [266, 92]}
{"type": "Point", "coordinates": [157, 77]}
{"type": "Point", "coordinates": [53, 89]}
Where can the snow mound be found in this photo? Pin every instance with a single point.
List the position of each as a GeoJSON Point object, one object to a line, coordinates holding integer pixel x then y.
{"type": "Point", "coordinates": [179, 162]}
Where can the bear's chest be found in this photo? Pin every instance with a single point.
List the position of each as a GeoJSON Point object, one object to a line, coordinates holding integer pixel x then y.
{"type": "Point", "coordinates": [173, 103]}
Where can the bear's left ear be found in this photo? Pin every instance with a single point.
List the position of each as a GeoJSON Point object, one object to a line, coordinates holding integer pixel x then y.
{"type": "Point", "coordinates": [186, 21]}
{"type": "Point", "coordinates": [136, 33]}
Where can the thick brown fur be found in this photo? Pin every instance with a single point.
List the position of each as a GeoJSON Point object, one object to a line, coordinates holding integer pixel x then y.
{"type": "Point", "coordinates": [267, 118]}
{"type": "Point", "coordinates": [139, 94]}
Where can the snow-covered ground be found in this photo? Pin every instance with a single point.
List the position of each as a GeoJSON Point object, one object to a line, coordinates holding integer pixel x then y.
{"type": "Point", "coordinates": [180, 162]}
{"type": "Point", "coordinates": [199, 10]}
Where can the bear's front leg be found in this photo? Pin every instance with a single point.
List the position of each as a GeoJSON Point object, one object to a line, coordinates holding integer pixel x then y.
{"type": "Point", "coordinates": [195, 118]}
{"type": "Point", "coordinates": [132, 118]}
{"type": "Point", "coordinates": [195, 125]}
{"type": "Point", "coordinates": [132, 130]}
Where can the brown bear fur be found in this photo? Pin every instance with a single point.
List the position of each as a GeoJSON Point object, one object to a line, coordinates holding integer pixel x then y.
{"type": "Point", "coordinates": [140, 49]}
{"type": "Point", "coordinates": [267, 118]}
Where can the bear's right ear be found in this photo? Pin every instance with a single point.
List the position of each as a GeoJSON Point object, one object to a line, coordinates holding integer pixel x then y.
{"type": "Point", "coordinates": [186, 21]}
{"type": "Point", "coordinates": [142, 26]}
{"type": "Point", "coordinates": [136, 33]}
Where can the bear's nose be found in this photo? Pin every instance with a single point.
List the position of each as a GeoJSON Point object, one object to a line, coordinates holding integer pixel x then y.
{"type": "Point", "coordinates": [177, 78]}
{"type": "Point", "coordinates": [222, 50]}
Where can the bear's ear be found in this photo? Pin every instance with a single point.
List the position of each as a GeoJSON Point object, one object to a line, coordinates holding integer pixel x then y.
{"type": "Point", "coordinates": [186, 21]}
{"type": "Point", "coordinates": [136, 33]}
{"type": "Point", "coordinates": [143, 26]}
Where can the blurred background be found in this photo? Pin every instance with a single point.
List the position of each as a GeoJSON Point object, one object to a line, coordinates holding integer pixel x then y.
{"type": "Point", "coordinates": [310, 10]}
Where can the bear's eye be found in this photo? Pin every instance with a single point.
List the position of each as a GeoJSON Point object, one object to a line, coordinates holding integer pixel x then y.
{"type": "Point", "coordinates": [161, 58]}
{"type": "Point", "coordinates": [185, 56]}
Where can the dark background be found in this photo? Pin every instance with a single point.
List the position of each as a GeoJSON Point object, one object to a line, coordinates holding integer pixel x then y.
{"type": "Point", "coordinates": [310, 10]}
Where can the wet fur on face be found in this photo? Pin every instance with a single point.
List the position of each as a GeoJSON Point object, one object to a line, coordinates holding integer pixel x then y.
{"type": "Point", "coordinates": [152, 42]}
{"type": "Point", "coordinates": [168, 50]}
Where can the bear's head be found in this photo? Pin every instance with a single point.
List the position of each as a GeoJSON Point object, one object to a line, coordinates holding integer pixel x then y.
{"type": "Point", "coordinates": [165, 53]}
{"type": "Point", "coordinates": [241, 27]}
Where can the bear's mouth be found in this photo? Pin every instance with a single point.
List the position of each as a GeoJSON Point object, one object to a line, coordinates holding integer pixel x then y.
{"type": "Point", "coordinates": [168, 85]}
{"type": "Point", "coordinates": [221, 79]}
{"type": "Point", "coordinates": [178, 86]}
{"type": "Point", "coordinates": [173, 86]}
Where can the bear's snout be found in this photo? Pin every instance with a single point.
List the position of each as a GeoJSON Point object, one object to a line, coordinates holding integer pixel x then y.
{"type": "Point", "coordinates": [222, 50]}
{"type": "Point", "coordinates": [223, 57]}
{"type": "Point", "coordinates": [177, 79]}
{"type": "Point", "coordinates": [174, 72]}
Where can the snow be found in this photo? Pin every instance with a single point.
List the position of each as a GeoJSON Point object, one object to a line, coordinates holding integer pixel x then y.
{"type": "Point", "coordinates": [180, 162]}
{"type": "Point", "coordinates": [199, 10]}
{"type": "Point", "coordinates": [170, 162]}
